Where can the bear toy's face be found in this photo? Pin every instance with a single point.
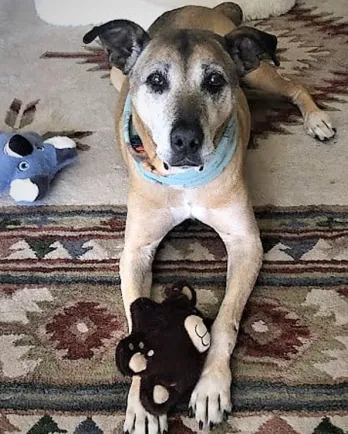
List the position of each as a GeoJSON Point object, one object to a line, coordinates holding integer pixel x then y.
{"type": "Point", "coordinates": [167, 347]}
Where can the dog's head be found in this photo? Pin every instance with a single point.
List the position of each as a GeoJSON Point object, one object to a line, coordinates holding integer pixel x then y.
{"type": "Point", "coordinates": [183, 82]}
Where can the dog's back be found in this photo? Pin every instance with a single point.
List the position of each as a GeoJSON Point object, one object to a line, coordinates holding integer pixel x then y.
{"type": "Point", "coordinates": [221, 20]}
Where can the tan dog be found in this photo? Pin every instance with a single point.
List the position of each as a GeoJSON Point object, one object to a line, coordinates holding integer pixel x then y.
{"type": "Point", "coordinates": [184, 88]}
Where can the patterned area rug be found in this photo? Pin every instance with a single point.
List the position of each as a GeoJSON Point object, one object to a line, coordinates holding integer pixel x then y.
{"type": "Point", "coordinates": [61, 317]}
{"type": "Point", "coordinates": [61, 313]}
{"type": "Point", "coordinates": [55, 85]}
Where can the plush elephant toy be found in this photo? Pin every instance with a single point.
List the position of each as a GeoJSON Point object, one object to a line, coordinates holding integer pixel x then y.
{"type": "Point", "coordinates": [167, 347]}
{"type": "Point", "coordinates": [28, 163]}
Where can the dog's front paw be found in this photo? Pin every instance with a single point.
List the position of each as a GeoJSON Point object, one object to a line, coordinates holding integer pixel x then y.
{"type": "Point", "coordinates": [211, 399]}
{"type": "Point", "coordinates": [138, 420]}
{"type": "Point", "coordinates": [318, 125]}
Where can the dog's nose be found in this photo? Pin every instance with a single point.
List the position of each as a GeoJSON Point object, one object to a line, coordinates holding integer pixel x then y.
{"type": "Point", "coordinates": [186, 139]}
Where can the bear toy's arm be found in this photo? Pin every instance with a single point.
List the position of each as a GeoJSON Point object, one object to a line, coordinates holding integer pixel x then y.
{"type": "Point", "coordinates": [133, 354]}
{"type": "Point", "coordinates": [198, 332]}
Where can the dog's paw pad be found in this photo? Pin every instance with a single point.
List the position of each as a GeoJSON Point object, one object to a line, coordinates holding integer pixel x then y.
{"type": "Point", "coordinates": [318, 125]}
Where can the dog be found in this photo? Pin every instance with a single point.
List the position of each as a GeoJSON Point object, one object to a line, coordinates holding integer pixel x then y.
{"type": "Point", "coordinates": [183, 124]}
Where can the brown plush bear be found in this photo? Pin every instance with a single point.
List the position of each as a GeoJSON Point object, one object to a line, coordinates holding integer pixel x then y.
{"type": "Point", "coordinates": [167, 347]}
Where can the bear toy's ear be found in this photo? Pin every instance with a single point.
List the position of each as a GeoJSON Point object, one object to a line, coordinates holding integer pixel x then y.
{"type": "Point", "coordinates": [180, 289]}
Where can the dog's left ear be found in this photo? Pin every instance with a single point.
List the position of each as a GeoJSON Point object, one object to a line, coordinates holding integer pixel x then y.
{"type": "Point", "coordinates": [247, 46]}
{"type": "Point", "coordinates": [123, 40]}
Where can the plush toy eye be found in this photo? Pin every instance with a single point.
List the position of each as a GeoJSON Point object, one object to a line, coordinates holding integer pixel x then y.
{"type": "Point", "coordinates": [40, 148]}
{"type": "Point", "coordinates": [23, 166]}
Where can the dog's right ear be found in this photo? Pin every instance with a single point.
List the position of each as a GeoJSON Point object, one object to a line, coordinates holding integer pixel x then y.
{"type": "Point", "coordinates": [123, 40]}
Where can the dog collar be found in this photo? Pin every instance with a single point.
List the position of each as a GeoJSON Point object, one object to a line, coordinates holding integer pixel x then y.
{"type": "Point", "coordinates": [192, 177]}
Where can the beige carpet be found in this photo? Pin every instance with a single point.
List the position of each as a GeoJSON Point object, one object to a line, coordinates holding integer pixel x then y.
{"type": "Point", "coordinates": [68, 86]}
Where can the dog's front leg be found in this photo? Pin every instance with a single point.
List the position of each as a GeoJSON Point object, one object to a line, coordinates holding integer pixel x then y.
{"type": "Point", "coordinates": [211, 398]}
{"type": "Point", "coordinates": [145, 229]}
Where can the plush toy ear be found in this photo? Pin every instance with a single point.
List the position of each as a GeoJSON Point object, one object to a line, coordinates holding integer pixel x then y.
{"type": "Point", "coordinates": [61, 142]}
{"type": "Point", "coordinates": [179, 289]}
{"type": "Point", "coordinates": [247, 46]}
{"type": "Point", "coordinates": [123, 40]}
{"type": "Point", "coordinates": [18, 146]}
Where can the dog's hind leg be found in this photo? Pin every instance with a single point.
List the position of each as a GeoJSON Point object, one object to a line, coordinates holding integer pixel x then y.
{"type": "Point", "coordinates": [232, 11]}
{"type": "Point", "coordinates": [317, 123]}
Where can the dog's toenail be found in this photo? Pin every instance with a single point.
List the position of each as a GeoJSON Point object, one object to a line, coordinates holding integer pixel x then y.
{"type": "Point", "coordinates": [200, 425]}
{"type": "Point", "coordinates": [190, 412]}
{"type": "Point", "coordinates": [211, 425]}
{"type": "Point", "coordinates": [225, 416]}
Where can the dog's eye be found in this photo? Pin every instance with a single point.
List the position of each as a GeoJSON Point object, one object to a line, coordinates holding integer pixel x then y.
{"type": "Point", "coordinates": [157, 82]}
{"type": "Point", "coordinates": [214, 82]}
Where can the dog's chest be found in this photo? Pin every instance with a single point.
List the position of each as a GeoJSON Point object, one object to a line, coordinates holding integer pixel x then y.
{"type": "Point", "coordinates": [188, 207]}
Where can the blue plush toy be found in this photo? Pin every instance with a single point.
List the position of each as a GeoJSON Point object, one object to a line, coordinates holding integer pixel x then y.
{"type": "Point", "coordinates": [28, 163]}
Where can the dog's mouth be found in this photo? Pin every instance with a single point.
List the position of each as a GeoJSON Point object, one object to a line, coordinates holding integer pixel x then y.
{"type": "Point", "coordinates": [186, 162]}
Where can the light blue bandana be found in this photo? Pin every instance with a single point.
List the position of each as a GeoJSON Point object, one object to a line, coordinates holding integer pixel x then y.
{"type": "Point", "coordinates": [190, 178]}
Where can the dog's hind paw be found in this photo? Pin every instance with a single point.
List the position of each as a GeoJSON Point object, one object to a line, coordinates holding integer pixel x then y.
{"type": "Point", "coordinates": [318, 125]}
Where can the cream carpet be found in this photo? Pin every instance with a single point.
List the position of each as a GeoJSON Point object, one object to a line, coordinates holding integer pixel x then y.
{"type": "Point", "coordinates": [66, 88]}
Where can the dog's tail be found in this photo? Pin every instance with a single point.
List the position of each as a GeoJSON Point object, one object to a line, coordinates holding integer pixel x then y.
{"type": "Point", "coordinates": [232, 11]}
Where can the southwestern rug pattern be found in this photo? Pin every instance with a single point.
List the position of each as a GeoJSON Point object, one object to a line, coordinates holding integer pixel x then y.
{"type": "Point", "coordinates": [61, 318]}
{"type": "Point", "coordinates": [57, 85]}
{"type": "Point", "coordinates": [61, 313]}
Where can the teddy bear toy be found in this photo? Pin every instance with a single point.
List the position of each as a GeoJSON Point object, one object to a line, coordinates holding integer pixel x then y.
{"type": "Point", "coordinates": [166, 348]}
{"type": "Point", "coordinates": [28, 163]}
